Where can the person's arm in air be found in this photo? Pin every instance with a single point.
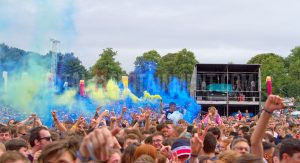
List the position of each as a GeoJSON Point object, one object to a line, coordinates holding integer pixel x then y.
{"type": "Point", "coordinates": [57, 123]}
{"type": "Point", "coordinates": [273, 103]}
{"type": "Point", "coordinates": [161, 107]}
{"type": "Point", "coordinates": [120, 118]}
{"type": "Point", "coordinates": [147, 119]}
{"type": "Point", "coordinates": [78, 122]}
{"type": "Point", "coordinates": [27, 120]}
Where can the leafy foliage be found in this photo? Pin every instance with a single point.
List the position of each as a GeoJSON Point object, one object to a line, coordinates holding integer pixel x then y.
{"type": "Point", "coordinates": [271, 65]}
{"type": "Point", "coordinates": [107, 68]}
{"type": "Point", "coordinates": [142, 62]}
{"type": "Point", "coordinates": [69, 64]}
{"type": "Point", "coordinates": [180, 65]}
{"type": "Point", "coordinates": [293, 66]}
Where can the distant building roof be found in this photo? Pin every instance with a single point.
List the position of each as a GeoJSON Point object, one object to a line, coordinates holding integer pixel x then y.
{"type": "Point", "coordinates": [231, 67]}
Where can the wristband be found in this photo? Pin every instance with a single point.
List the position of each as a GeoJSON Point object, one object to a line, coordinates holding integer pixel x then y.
{"type": "Point", "coordinates": [82, 158]}
{"type": "Point", "coordinates": [194, 155]}
{"type": "Point", "coordinates": [267, 111]}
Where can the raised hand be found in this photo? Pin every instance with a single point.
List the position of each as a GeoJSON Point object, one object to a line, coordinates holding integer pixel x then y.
{"type": "Point", "coordinates": [54, 115]}
{"type": "Point", "coordinates": [124, 109]}
{"type": "Point", "coordinates": [98, 108]}
{"type": "Point", "coordinates": [134, 116]}
{"type": "Point", "coordinates": [274, 103]}
{"type": "Point", "coordinates": [113, 119]}
{"type": "Point", "coordinates": [166, 150]}
{"type": "Point", "coordinates": [105, 113]}
{"type": "Point", "coordinates": [93, 123]}
{"type": "Point", "coordinates": [80, 120]}
{"type": "Point", "coordinates": [98, 143]}
{"type": "Point", "coordinates": [147, 113]}
{"type": "Point", "coordinates": [36, 156]}
{"type": "Point", "coordinates": [196, 145]}
{"type": "Point", "coordinates": [141, 110]}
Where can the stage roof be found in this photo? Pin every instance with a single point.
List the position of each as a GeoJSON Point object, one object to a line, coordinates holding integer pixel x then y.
{"type": "Point", "coordinates": [231, 67]}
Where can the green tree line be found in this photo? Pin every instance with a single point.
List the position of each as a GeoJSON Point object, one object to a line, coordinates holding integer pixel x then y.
{"type": "Point", "coordinates": [285, 71]}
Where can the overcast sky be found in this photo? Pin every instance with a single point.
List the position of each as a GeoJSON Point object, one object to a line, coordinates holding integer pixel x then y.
{"type": "Point", "coordinates": [217, 31]}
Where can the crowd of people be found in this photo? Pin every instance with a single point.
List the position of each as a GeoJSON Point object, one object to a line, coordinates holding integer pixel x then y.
{"type": "Point", "coordinates": [151, 137]}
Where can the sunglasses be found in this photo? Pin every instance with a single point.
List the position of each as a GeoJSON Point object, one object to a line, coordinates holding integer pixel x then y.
{"type": "Point", "coordinates": [46, 138]}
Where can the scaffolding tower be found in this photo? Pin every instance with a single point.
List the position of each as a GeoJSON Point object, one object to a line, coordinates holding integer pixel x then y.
{"type": "Point", "coordinates": [54, 50]}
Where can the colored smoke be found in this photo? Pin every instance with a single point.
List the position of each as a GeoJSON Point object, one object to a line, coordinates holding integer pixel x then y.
{"type": "Point", "coordinates": [30, 91]}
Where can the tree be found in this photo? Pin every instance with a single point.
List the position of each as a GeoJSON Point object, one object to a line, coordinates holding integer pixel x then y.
{"type": "Point", "coordinates": [10, 57]}
{"type": "Point", "coordinates": [293, 66]}
{"type": "Point", "coordinates": [141, 62]}
{"type": "Point", "coordinates": [71, 67]}
{"type": "Point", "coordinates": [106, 67]}
{"type": "Point", "coordinates": [144, 72]}
{"type": "Point", "coordinates": [180, 65]}
{"type": "Point", "coordinates": [271, 65]}
{"type": "Point", "coordinates": [185, 61]}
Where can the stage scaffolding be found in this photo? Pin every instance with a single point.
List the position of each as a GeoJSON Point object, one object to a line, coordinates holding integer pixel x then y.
{"type": "Point", "coordinates": [229, 87]}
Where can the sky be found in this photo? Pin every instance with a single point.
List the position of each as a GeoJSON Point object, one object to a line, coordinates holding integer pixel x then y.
{"type": "Point", "coordinates": [217, 31]}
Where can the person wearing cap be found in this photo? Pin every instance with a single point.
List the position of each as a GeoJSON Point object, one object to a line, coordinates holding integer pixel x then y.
{"type": "Point", "coordinates": [181, 149]}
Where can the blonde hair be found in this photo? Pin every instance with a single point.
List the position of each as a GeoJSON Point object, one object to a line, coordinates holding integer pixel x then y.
{"type": "Point", "coordinates": [228, 156]}
{"type": "Point", "coordinates": [226, 142]}
{"type": "Point", "coordinates": [212, 110]}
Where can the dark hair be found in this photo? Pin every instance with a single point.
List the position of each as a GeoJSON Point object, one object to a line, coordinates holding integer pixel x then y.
{"type": "Point", "coordinates": [137, 132]}
{"type": "Point", "coordinates": [15, 144]}
{"type": "Point", "coordinates": [169, 122]}
{"type": "Point", "coordinates": [267, 145]}
{"type": "Point", "coordinates": [244, 129]}
{"type": "Point", "coordinates": [215, 131]}
{"type": "Point", "coordinates": [132, 136]}
{"type": "Point", "coordinates": [160, 126]}
{"type": "Point", "coordinates": [4, 129]}
{"type": "Point", "coordinates": [276, 152]}
{"type": "Point", "coordinates": [148, 140]}
{"type": "Point", "coordinates": [252, 124]}
{"type": "Point", "coordinates": [269, 137]}
{"type": "Point", "coordinates": [172, 103]}
{"type": "Point", "coordinates": [289, 146]}
{"type": "Point", "coordinates": [234, 134]}
{"type": "Point", "coordinates": [157, 133]}
{"type": "Point", "coordinates": [146, 132]}
{"type": "Point", "coordinates": [34, 134]}
{"type": "Point", "coordinates": [209, 143]}
{"type": "Point", "coordinates": [128, 153]}
{"type": "Point", "coordinates": [9, 121]}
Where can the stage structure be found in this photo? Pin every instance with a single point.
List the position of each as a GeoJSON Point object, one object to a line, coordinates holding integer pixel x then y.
{"type": "Point", "coordinates": [54, 58]}
{"type": "Point", "coordinates": [229, 87]}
